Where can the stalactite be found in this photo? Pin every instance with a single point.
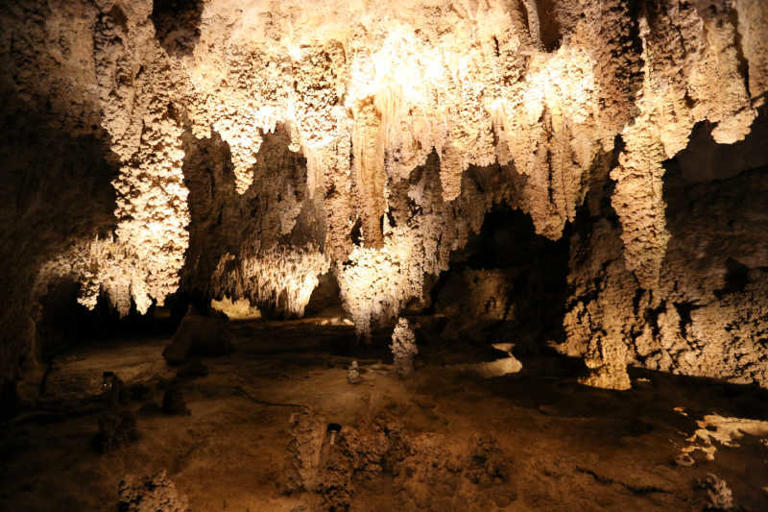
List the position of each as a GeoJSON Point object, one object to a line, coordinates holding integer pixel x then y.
{"type": "Point", "coordinates": [137, 98]}
{"type": "Point", "coordinates": [673, 99]}
{"type": "Point", "coordinates": [370, 179]}
{"type": "Point", "coordinates": [280, 279]}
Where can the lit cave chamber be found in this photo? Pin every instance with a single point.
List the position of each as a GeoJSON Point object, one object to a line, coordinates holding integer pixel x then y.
{"type": "Point", "coordinates": [393, 255]}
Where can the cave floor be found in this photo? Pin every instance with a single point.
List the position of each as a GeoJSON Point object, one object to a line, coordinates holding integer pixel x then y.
{"type": "Point", "coordinates": [547, 443]}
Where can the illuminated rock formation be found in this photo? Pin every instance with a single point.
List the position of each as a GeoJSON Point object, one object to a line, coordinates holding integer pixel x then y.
{"type": "Point", "coordinates": [136, 93]}
{"type": "Point", "coordinates": [708, 315]}
{"type": "Point", "coordinates": [281, 279]}
{"type": "Point", "coordinates": [686, 50]}
{"type": "Point", "coordinates": [258, 145]}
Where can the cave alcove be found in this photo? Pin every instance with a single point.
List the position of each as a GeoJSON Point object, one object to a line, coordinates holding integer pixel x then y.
{"type": "Point", "coordinates": [507, 284]}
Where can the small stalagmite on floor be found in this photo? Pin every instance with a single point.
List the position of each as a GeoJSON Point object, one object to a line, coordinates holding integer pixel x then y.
{"type": "Point", "coordinates": [403, 347]}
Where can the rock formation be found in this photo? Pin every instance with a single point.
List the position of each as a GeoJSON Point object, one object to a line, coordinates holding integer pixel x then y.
{"type": "Point", "coordinates": [707, 315]}
{"type": "Point", "coordinates": [403, 347]}
{"type": "Point", "coordinates": [150, 493]}
{"type": "Point", "coordinates": [245, 149]}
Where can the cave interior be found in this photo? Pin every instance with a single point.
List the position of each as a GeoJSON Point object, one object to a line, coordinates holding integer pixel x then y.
{"type": "Point", "coordinates": [342, 255]}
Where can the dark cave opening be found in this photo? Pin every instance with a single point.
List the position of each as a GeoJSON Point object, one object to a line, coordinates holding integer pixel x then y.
{"type": "Point", "coordinates": [516, 276]}
{"type": "Point", "coordinates": [64, 324]}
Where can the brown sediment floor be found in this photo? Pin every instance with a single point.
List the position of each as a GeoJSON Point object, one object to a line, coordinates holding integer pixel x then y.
{"type": "Point", "coordinates": [442, 440]}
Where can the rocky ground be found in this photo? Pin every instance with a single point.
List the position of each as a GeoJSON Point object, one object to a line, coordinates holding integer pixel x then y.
{"type": "Point", "coordinates": [276, 426]}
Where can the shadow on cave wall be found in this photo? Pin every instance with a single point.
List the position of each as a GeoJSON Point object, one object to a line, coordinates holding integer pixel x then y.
{"type": "Point", "coordinates": [210, 179]}
{"type": "Point", "coordinates": [55, 190]}
{"type": "Point", "coordinates": [717, 196]}
{"type": "Point", "coordinates": [177, 24]}
{"type": "Point", "coordinates": [507, 284]}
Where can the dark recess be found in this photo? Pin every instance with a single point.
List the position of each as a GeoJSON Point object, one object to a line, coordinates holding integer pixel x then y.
{"type": "Point", "coordinates": [177, 24]}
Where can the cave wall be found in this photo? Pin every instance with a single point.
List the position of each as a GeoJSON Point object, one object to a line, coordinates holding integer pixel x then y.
{"type": "Point", "coordinates": [56, 168]}
{"type": "Point", "coordinates": [215, 147]}
{"type": "Point", "coordinates": [709, 314]}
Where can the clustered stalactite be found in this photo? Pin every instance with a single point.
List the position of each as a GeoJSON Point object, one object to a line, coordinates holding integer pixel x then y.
{"type": "Point", "coordinates": [685, 52]}
{"type": "Point", "coordinates": [411, 122]}
{"type": "Point", "coordinates": [136, 94]}
{"type": "Point", "coordinates": [281, 278]}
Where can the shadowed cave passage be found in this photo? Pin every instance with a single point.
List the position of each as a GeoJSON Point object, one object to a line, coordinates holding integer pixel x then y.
{"type": "Point", "coordinates": [508, 284]}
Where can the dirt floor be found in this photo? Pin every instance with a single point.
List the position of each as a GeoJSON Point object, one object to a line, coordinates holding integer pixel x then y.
{"type": "Point", "coordinates": [276, 426]}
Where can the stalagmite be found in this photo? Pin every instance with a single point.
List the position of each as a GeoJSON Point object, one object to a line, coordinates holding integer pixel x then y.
{"type": "Point", "coordinates": [403, 347]}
